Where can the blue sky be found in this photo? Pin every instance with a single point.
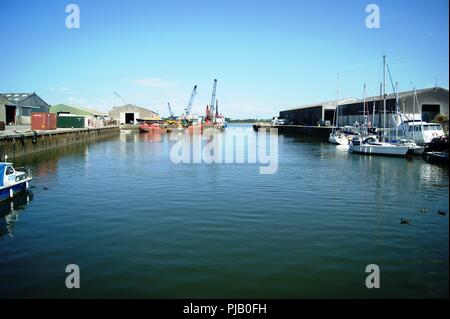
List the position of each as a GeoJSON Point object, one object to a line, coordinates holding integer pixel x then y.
{"type": "Point", "coordinates": [266, 55]}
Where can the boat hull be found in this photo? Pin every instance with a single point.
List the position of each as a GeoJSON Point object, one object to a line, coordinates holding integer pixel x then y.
{"type": "Point", "coordinates": [437, 157]}
{"type": "Point", "coordinates": [379, 150]}
{"type": "Point", "coordinates": [149, 128]}
{"type": "Point", "coordinates": [419, 150]}
{"type": "Point", "coordinates": [338, 140]}
{"type": "Point", "coordinates": [437, 146]}
{"type": "Point", "coordinates": [17, 188]}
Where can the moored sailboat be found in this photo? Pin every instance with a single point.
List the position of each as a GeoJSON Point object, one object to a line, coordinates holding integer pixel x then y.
{"type": "Point", "coordinates": [372, 145]}
{"type": "Point", "coordinates": [337, 136]}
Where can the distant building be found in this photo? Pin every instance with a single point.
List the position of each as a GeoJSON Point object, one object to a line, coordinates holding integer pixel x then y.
{"type": "Point", "coordinates": [313, 114]}
{"type": "Point", "coordinates": [23, 104]}
{"type": "Point", "coordinates": [129, 114]}
{"type": "Point", "coordinates": [75, 110]}
{"type": "Point", "coordinates": [7, 110]}
{"type": "Point", "coordinates": [92, 118]}
{"type": "Point", "coordinates": [431, 102]}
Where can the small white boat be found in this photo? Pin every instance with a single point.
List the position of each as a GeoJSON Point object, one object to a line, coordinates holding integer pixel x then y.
{"type": "Point", "coordinates": [338, 138]}
{"type": "Point", "coordinates": [372, 146]}
{"type": "Point", "coordinates": [12, 181]}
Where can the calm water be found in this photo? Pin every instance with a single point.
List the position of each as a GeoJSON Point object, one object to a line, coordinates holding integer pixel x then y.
{"type": "Point", "coordinates": [140, 226]}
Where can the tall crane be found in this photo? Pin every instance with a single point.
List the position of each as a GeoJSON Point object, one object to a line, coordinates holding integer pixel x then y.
{"type": "Point", "coordinates": [213, 99]}
{"type": "Point", "coordinates": [172, 116]}
{"type": "Point", "coordinates": [118, 95]}
{"type": "Point", "coordinates": [191, 101]}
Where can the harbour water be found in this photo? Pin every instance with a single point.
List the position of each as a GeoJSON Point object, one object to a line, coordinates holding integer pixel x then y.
{"type": "Point", "coordinates": [140, 226]}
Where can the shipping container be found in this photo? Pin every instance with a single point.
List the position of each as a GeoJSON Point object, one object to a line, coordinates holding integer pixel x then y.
{"type": "Point", "coordinates": [70, 122]}
{"type": "Point", "coordinates": [43, 121]}
{"type": "Point", "coordinates": [52, 121]}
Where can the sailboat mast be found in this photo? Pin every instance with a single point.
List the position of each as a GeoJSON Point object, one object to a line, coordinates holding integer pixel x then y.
{"type": "Point", "coordinates": [397, 106]}
{"type": "Point", "coordinates": [379, 105]}
{"type": "Point", "coordinates": [373, 114]}
{"type": "Point", "coordinates": [337, 100]}
{"type": "Point", "coordinates": [397, 109]}
{"type": "Point", "coordinates": [414, 111]}
{"type": "Point", "coordinates": [364, 111]}
{"type": "Point", "coordinates": [384, 97]}
{"type": "Point", "coordinates": [420, 112]}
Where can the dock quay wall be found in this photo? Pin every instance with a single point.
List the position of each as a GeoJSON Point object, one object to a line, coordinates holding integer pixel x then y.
{"type": "Point", "coordinates": [131, 127]}
{"type": "Point", "coordinates": [314, 131]}
{"type": "Point", "coordinates": [18, 144]}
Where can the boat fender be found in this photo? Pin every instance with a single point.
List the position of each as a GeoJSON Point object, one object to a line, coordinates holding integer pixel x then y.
{"type": "Point", "coordinates": [22, 139]}
{"type": "Point", "coordinates": [34, 139]}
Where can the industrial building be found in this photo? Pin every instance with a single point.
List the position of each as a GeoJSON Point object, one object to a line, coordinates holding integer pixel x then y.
{"type": "Point", "coordinates": [91, 118]}
{"type": "Point", "coordinates": [130, 114]}
{"type": "Point", "coordinates": [19, 106]}
{"type": "Point", "coordinates": [7, 111]}
{"type": "Point", "coordinates": [63, 109]}
{"type": "Point", "coordinates": [431, 101]}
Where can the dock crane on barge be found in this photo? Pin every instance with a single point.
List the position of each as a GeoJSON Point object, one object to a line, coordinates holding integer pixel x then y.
{"type": "Point", "coordinates": [172, 116]}
{"type": "Point", "coordinates": [212, 114]}
{"type": "Point", "coordinates": [172, 119]}
{"type": "Point", "coordinates": [187, 112]}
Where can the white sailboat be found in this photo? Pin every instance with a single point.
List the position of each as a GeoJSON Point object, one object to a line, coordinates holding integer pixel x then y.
{"type": "Point", "coordinates": [371, 145]}
{"type": "Point", "coordinates": [337, 136]}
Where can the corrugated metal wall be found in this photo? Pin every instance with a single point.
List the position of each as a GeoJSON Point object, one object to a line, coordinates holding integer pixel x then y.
{"type": "Point", "coordinates": [31, 104]}
{"type": "Point", "coordinates": [310, 116]}
{"type": "Point", "coordinates": [435, 98]}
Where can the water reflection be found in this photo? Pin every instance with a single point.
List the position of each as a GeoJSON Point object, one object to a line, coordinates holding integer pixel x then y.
{"type": "Point", "coordinates": [152, 137]}
{"type": "Point", "coordinates": [46, 162]}
{"type": "Point", "coordinates": [10, 211]}
{"type": "Point", "coordinates": [129, 137]}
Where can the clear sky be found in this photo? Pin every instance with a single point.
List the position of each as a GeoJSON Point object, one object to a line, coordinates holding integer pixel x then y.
{"type": "Point", "coordinates": [266, 55]}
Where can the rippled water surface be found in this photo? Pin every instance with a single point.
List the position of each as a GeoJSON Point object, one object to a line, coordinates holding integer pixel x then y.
{"type": "Point", "coordinates": [139, 225]}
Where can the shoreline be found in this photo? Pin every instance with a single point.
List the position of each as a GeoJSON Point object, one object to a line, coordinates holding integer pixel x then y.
{"type": "Point", "coordinates": [18, 144]}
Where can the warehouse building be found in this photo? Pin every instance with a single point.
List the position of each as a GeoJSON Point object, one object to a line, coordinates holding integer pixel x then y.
{"type": "Point", "coordinates": [130, 114]}
{"type": "Point", "coordinates": [431, 101]}
{"type": "Point", "coordinates": [92, 118]}
{"type": "Point", "coordinates": [61, 109]}
{"type": "Point", "coordinates": [25, 104]}
{"type": "Point", "coordinates": [7, 111]}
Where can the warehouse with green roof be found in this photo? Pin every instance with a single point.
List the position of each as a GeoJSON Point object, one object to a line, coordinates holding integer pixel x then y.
{"type": "Point", "coordinates": [74, 116]}
{"type": "Point", "coordinates": [75, 110]}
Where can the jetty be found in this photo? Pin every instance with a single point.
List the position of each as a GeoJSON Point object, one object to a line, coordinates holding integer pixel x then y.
{"type": "Point", "coordinates": [16, 144]}
{"type": "Point", "coordinates": [316, 131]}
